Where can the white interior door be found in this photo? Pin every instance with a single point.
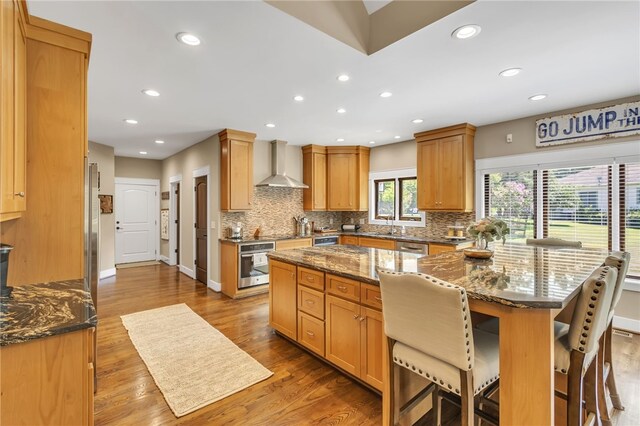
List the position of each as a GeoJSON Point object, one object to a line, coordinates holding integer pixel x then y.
{"type": "Point", "coordinates": [136, 222]}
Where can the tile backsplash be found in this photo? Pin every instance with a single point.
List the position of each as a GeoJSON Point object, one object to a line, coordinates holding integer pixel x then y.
{"type": "Point", "coordinates": [274, 209]}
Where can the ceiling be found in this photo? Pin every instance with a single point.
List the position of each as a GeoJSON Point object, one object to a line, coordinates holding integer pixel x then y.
{"type": "Point", "coordinates": [254, 58]}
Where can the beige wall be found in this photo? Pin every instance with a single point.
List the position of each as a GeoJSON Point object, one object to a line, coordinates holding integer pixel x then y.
{"type": "Point", "coordinates": [262, 161]}
{"type": "Point", "coordinates": [490, 140]}
{"type": "Point", "coordinates": [138, 168]}
{"type": "Point", "coordinates": [103, 155]}
{"type": "Point", "coordinates": [205, 153]}
{"type": "Point", "coordinates": [401, 155]}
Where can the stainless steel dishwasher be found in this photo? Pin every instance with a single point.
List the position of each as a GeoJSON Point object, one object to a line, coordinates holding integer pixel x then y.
{"type": "Point", "coordinates": [417, 248]}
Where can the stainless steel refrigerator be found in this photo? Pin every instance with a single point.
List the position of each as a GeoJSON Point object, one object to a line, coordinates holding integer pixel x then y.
{"type": "Point", "coordinates": [91, 242]}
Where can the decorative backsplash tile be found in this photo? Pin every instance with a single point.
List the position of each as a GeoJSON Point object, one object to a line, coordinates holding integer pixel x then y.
{"type": "Point", "coordinates": [274, 209]}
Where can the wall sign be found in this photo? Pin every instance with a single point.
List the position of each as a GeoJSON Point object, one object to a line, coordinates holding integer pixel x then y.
{"type": "Point", "coordinates": [609, 122]}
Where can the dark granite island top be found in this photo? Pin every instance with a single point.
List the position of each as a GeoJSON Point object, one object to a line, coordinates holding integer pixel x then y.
{"type": "Point", "coordinates": [518, 275]}
{"type": "Point", "coordinates": [47, 309]}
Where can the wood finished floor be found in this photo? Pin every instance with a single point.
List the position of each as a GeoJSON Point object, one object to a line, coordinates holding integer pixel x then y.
{"type": "Point", "coordinates": [302, 391]}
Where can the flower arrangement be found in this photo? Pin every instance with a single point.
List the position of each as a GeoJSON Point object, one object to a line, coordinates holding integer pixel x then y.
{"type": "Point", "coordinates": [489, 229]}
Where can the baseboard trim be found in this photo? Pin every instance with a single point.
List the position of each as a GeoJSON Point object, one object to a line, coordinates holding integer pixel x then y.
{"type": "Point", "coordinates": [188, 272]}
{"type": "Point", "coordinates": [164, 259]}
{"type": "Point", "coordinates": [215, 286]}
{"type": "Point", "coordinates": [107, 273]}
{"type": "Point", "coordinates": [627, 324]}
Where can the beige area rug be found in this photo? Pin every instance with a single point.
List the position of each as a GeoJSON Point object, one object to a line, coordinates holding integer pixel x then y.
{"type": "Point", "coordinates": [192, 363]}
{"type": "Point", "coordinates": [136, 264]}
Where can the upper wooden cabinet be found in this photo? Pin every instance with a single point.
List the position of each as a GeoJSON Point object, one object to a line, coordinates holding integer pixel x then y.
{"type": "Point", "coordinates": [236, 170]}
{"type": "Point", "coordinates": [347, 178]}
{"type": "Point", "coordinates": [314, 175]}
{"type": "Point", "coordinates": [13, 110]}
{"type": "Point", "coordinates": [445, 169]}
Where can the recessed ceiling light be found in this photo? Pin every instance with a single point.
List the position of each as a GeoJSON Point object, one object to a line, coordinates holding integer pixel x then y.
{"type": "Point", "coordinates": [341, 110]}
{"type": "Point", "coordinates": [298, 98]}
{"type": "Point", "coordinates": [343, 77]}
{"type": "Point", "coordinates": [396, 137]}
{"type": "Point", "coordinates": [466, 31]}
{"type": "Point", "coordinates": [417, 121]}
{"type": "Point", "coordinates": [270, 125]}
{"type": "Point", "coordinates": [538, 97]}
{"type": "Point", "coordinates": [151, 92]}
{"type": "Point", "coordinates": [187, 38]}
{"type": "Point", "coordinates": [159, 142]}
{"type": "Point", "coordinates": [143, 152]}
{"type": "Point", "coordinates": [372, 142]}
{"type": "Point", "coordinates": [340, 140]}
{"type": "Point", "coordinates": [130, 121]}
{"type": "Point", "coordinates": [386, 94]}
{"type": "Point", "coordinates": [510, 72]}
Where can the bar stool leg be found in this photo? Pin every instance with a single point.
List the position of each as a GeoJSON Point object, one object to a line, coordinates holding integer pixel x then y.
{"type": "Point", "coordinates": [602, 398]}
{"type": "Point", "coordinates": [466, 393]}
{"type": "Point", "coordinates": [436, 406]}
{"type": "Point", "coordinates": [591, 391]}
{"type": "Point", "coordinates": [574, 389]}
{"type": "Point", "coordinates": [611, 378]}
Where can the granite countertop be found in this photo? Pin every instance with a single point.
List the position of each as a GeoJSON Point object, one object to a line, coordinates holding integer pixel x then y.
{"type": "Point", "coordinates": [47, 309]}
{"type": "Point", "coordinates": [395, 237]}
{"type": "Point", "coordinates": [518, 275]}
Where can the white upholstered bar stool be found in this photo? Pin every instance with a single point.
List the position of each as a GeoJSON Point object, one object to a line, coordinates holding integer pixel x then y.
{"type": "Point", "coordinates": [555, 242]}
{"type": "Point", "coordinates": [576, 345]}
{"type": "Point", "coordinates": [620, 261]}
{"type": "Point", "coordinates": [428, 327]}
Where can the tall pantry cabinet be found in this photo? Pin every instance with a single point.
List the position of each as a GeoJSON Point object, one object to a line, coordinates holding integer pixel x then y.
{"type": "Point", "coordinates": [48, 234]}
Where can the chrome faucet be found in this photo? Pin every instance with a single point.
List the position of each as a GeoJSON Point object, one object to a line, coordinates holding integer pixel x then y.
{"type": "Point", "coordinates": [393, 229]}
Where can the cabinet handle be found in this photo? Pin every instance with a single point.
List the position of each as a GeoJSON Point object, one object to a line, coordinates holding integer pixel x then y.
{"type": "Point", "coordinates": [20, 194]}
{"type": "Point", "coordinates": [361, 319]}
{"type": "Point", "coordinates": [310, 302]}
{"type": "Point", "coordinates": [310, 278]}
{"type": "Point", "coordinates": [293, 275]}
{"type": "Point", "coordinates": [379, 299]}
{"type": "Point", "coordinates": [311, 333]}
{"type": "Point", "coordinates": [356, 317]}
{"type": "Point", "coordinates": [342, 288]}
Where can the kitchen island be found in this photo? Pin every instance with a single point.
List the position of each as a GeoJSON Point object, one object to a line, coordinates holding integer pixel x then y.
{"type": "Point", "coordinates": [328, 300]}
{"type": "Point", "coordinates": [47, 352]}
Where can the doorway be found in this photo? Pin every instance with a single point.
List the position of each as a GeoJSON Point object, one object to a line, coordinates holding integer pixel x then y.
{"type": "Point", "coordinates": [174, 220]}
{"type": "Point", "coordinates": [201, 257]}
{"type": "Point", "coordinates": [136, 208]}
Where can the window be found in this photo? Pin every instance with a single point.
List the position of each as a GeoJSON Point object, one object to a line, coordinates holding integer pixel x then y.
{"type": "Point", "coordinates": [510, 196]}
{"type": "Point", "coordinates": [595, 200]}
{"type": "Point", "coordinates": [385, 198]}
{"type": "Point", "coordinates": [571, 210]}
{"type": "Point", "coordinates": [394, 198]}
{"type": "Point", "coordinates": [630, 215]}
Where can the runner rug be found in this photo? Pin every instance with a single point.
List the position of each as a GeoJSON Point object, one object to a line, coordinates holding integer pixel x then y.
{"type": "Point", "coordinates": [192, 363]}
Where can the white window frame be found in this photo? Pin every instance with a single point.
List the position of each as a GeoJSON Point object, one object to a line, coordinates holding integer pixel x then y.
{"type": "Point", "coordinates": [392, 174]}
{"type": "Point", "coordinates": [611, 154]}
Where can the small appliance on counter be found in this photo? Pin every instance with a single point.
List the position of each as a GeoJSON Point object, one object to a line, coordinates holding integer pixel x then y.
{"type": "Point", "coordinates": [351, 228]}
{"type": "Point", "coordinates": [5, 250]}
{"type": "Point", "coordinates": [235, 232]}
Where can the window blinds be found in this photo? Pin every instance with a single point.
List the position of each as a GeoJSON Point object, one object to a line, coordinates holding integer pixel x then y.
{"type": "Point", "coordinates": [630, 214]}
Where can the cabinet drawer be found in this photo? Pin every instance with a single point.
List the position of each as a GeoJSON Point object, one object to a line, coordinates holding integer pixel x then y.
{"type": "Point", "coordinates": [349, 239]}
{"type": "Point", "coordinates": [370, 296]}
{"type": "Point", "coordinates": [311, 333]}
{"type": "Point", "coordinates": [343, 287]}
{"type": "Point", "coordinates": [311, 302]}
{"type": "Point", "coordinates": [377, 243]}
{"type": "Point", "coordinates": [440, 248]}
{"type": "Point", "coordinates": [311, 278]}
{"type": "Point", "coordinates": [293, 244]}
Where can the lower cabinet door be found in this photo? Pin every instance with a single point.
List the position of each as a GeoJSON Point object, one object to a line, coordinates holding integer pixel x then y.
{"type": "Point", "coordinates": [282, 298]}
{"type": "Point", "coordinates": [343, 334]}
{"type": "Point", "coordinates": [311, 333]}
{"type": "Point", "coordinates": [371, 350]}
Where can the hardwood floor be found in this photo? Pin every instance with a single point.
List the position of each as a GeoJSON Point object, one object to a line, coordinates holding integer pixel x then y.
{"type": "Point", "coordinates": [303, 389]}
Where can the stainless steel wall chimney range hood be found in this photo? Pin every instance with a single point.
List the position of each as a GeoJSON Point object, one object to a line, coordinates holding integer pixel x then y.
{"type": "Point", "coordinates": [279, 178]}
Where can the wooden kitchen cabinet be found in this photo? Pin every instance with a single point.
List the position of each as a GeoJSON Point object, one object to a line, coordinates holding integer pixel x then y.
{"type": "Point", "coordinates": [314, 175]}
{"type": "Point", "coordinates": [445, 169]}
{"type": "Point", "coordinates": [282, 298]}
{"type": "Point", "coordinates": [236, 170]}
{"type": "Point", "coordinates": [371, 335]}
{"type": "Point", "coordinates": [379, 243]}
{"type": "Point", "coordinates": [435, 248]}
{"type": "Point", "coordinates": [293, 243]}
{"type": "Point", "coordinates": [347, 178]}
{"type": "Point", "coordinates": [342, 336]}
{"type": "Point", "coordinates": [349, 239]}
{"type": "Point", "coordinates": [48, 381]}
{"type": "Point", "coordinates": [13, 110]}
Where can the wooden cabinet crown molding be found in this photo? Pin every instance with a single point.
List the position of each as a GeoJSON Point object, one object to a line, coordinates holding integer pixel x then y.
{"type": "Point", "coordinates": [348, 150]}
{"type": "Point", "coordinates": [314, 149]}
{"type": "Point", "coordinates": [459, 129]}
{"type": "Point", "coordinates": [237, 135]}
{"type": "Point", "coordinates": [58, 35]}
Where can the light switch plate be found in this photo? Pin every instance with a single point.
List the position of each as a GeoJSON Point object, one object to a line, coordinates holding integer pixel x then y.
{"type": "Point", "coordinates": [213, 224]}
{"type": "Point", "coordinates": [362, 221]}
